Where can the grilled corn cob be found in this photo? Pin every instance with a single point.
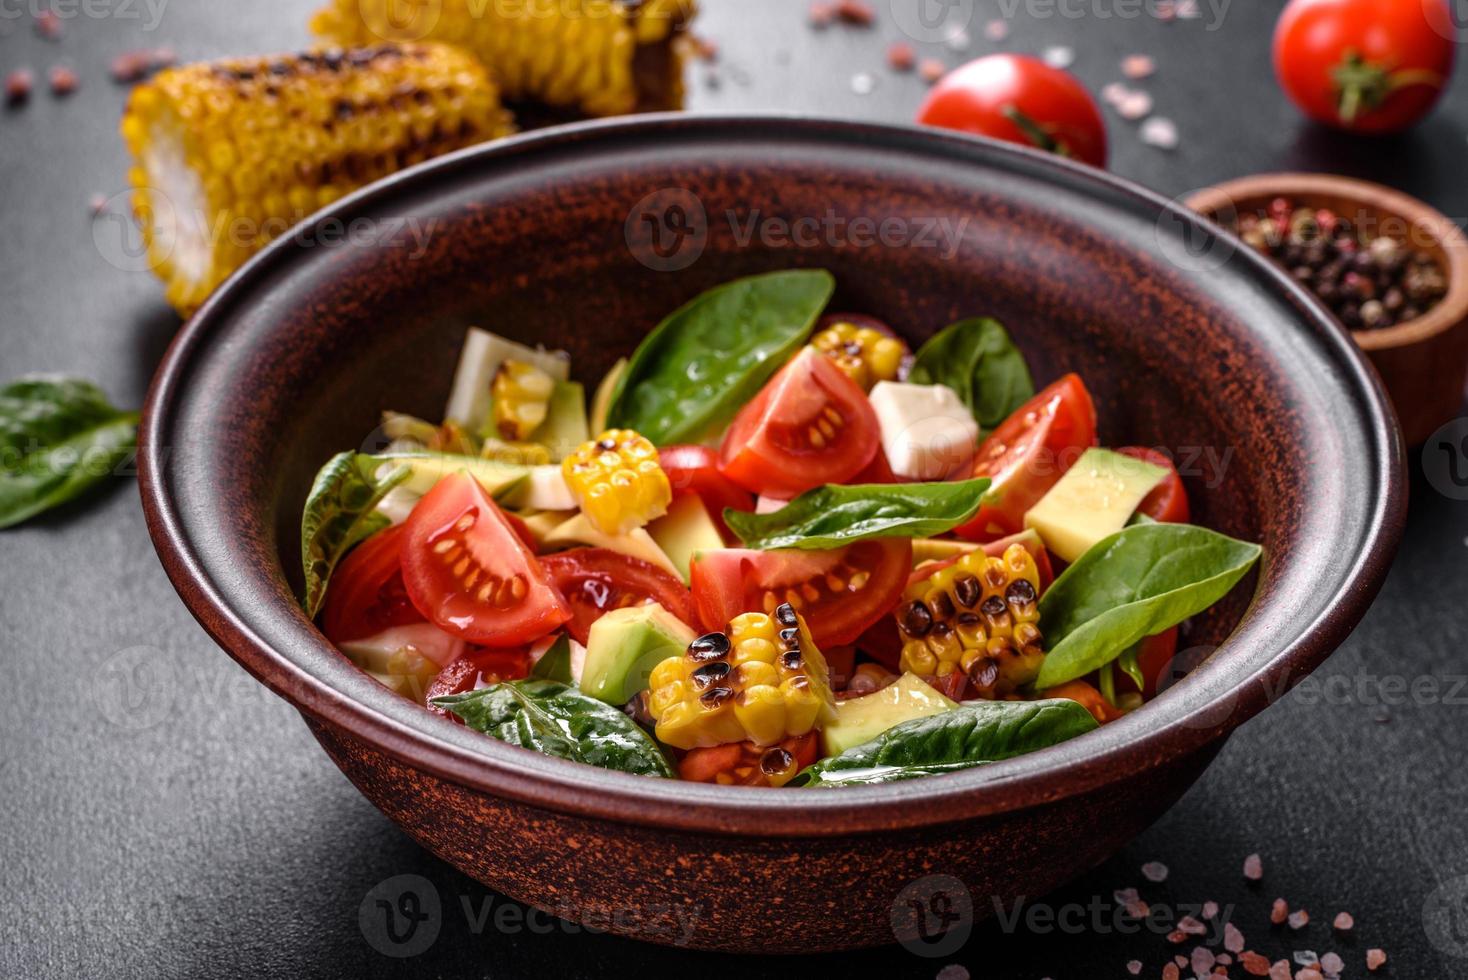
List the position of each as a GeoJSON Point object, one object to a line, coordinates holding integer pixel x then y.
{"type": "Point", "coordinates": [521, 400]}
{"type": "Point", "coordinates": [230, 154]}
{"type": "Point", "coordinates": [979, 615]}
{"type": "Point", "coordinates": [601, 57]}
{"type": "Point", "coordinates": [618, 482]}
{"type": "Point", "coordinates": [866, 356]}
{"type": "Point", "coordinates": [761, 680]}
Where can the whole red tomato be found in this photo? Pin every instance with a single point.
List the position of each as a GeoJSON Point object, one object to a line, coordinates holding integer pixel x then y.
{"type": "Point", "coordinates": [1369, 66]}
{"type": "Point", "coordinates": [1021, 99]}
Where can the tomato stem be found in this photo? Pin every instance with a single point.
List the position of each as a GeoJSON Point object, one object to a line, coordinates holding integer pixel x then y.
{"type": "Point", "coordinates": [1034, 131]}
{"type": "Point", "coordinates": [1365, 85]}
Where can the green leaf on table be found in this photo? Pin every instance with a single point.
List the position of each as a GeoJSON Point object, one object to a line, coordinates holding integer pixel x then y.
{"type": "Point", "coordinates": [1142, 580]}
{"type": "Point", "coordinates": [976, 358]}
{"type": "Point", "coordinates": [58, 437]}
{"type": "Point", "coordinates": [340, 514]}
{"type": "Point", "coordinates": [556, 719]}
{"type": "Point", "coordinates": [698, 367]}
{"type": "Point", "coordinates": [834, 516]}
{"type": "Point", "coordinates": [974, 733]}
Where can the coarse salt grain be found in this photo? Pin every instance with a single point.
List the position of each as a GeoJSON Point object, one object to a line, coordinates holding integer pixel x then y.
{"type": "Point", "coordinates": [1306, 957]}
{"type": "Point", "coordinates": [63, 80]}
{"type": "Point", "coordinates": [1308, 974]}
{"type": "Point", "coordinates": [1254, 964]}
{"type": "Point", "coordinates": [1299, 919]}
{"type": "Point", "coordinates": [957, 39]}
{"type": "Point", "coordinates": [1169, 972]}
{"type": "Point", "coordinates": [1134, 967]}
{"type": "Point", "coordinates": [1279, 912]}
{"type": "Point", "coordinates": [855, 12]}
{"type": "Point", "coordinates": [862, 83]}
{"type": "Point", "coordinates": [821, 14]}
{"type": "Point", "coordinates": [1136, 66]}
{"type": "Point", "coordinates": [1280, 971]}
{"type": "Point", "coordinates": [1160, 132]}
{"type": "Point", "coordinates": [1177, 936]}
{"type": "Point", "coordinates": [1233, 940]}
{"type": "Point", "coordinates": [1344, 922]}
{"type": "Point", "coordinates": [1058, 56]}
{"type": "Point", "coordinates": [1192, 926]}
{"type": "Point", "coordinates": [48, 25]}
{"type": "Point", "coordinates": [18, 85]}
{"type": "Point", "coordinates": [1332, 963]}
{"type": "Point", "coordinates": [1253, 867]}
{"type": "Point", "coordinates": [931, 69]}
{"type": "Point", "coordinates": [1202, 960]}
{"type": "Point", "coordinates": [953, 971]}
{"type": "Point", "coordinates": [901, 57]}
{"type": "Point", "coordinates": [1181, 961]}
{"type": "Point", "coordinates": [97, 204]}
{"type": "Point", "coordinates": [996, 30]}
{"type": "Point", "coordinates": [1210, 910]}
{"type": "Point", "coordinates": [1375, 958]}
{"type": "Point", "coordinates": [1155, 872]}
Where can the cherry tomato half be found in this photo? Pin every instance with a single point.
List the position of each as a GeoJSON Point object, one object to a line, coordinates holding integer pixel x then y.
{"type": "Point", "coordinates": [1019, 99]}
{"type": "Point", "coordinates": [1087, 696]}
{"type": "Point", "coordinates": [367, 594]}
{"type": "Point", "coordinates": [840, 593]}
{"type": "Point", "coordinates": [1168, 501]}
{"type": "Point", "coordinates": [695, 469]}
{"type": "Point", "coordinates": [809, 425]}
{"type": "Point", "coordinates": [478, 667]}
{"type": "Point", "coordinates": [744, 763]}
{"type": "Point", "coordinates": [1370, 66]}
{"type": "Point", "coordinates": [468, 571]}
{"type": "Point", "coordinates": [597, 580]}
{"type": "Point", "coordinates": [1028, 453]}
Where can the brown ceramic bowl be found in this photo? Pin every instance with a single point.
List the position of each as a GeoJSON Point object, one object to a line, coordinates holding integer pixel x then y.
{"type": "Point", "coordinates": [1423, 362]}
{"type": "Point", "coordinates": [294, 358]}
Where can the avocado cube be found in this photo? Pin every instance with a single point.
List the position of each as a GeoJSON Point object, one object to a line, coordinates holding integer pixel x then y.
{"type": "Point", "coordinates": [863, 719]}
{"type": "Point", "coordinates": [625, 645]}
{"type": "Point", "coordinates": [684, 531]}
{"type": "Point", "coordinates": [1092, 501]}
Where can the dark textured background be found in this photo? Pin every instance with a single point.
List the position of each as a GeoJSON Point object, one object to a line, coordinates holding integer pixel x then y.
{"type": "Point", "coordinates": [192, 827]}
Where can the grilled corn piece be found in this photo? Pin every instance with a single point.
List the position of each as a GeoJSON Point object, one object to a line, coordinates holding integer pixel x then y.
{"type": "Point", "coordinates": [600, 57]}
{"type": "Point", "coordinates": [979, 615]}
{"type": "Point", "coordinates": [762, 680]}
{"type": "Point", "coordinates": [521, 400]}
{"type": "Point", "coordinates": [864, 355]}
{"type": "Point", "coordinates": [229, 154]}
{"type": "Point", "coordinates": [618, 482]}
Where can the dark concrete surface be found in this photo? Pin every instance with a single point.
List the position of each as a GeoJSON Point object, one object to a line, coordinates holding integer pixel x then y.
{"type": "Point", "coordinates": [162, 816]}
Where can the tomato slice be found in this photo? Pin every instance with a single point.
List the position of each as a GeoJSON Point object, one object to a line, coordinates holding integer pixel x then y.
{"type": "Point", "coordinates": [1087, 696]}
{"type": "Point", "coordinates": [478, 667]}
{"type": "Point", "coordinates": [367, 594]}
{"type": "Point", "coordinates": [879, 470]}
{"type": "Point", "coordinates": [740, 763]}
{"type": "Point", "coordinates": [840, 593]}
{"type": "Point", "coordinates": [597, 580]}
{"type": "Point", "coordinates": [1168, 501]}
{"type": "Point", "coordinates": [695, 469]}
{"type": "Point", "coordinates": [809, 426]}
{"type": "Point", "coordinates": [1154, 658]}
{"type": "Point", "coordinates": [468, 571]}
{"type": "Point", "coordinates": [1028, 453]}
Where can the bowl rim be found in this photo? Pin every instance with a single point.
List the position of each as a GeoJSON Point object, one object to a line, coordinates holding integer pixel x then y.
{"type": "Point", "coordinates": [1451, 312]}
{"type": "Point", "coordinates": [1080, 766]}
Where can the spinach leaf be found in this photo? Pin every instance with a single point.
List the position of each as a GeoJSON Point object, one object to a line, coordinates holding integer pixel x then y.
{"type": "Point", "coordinates": [556, 719]}
{"type": "Point", "coordinates": [58, 437]}
{"type": "Point", "coordinates": [339, 515]}
{"type": "Point", "coordinates": [833, 516]}
{"type": "Point", "coordinates": [704, 362]}
{"type": "Point", "coordinates": [555, 663]}
{"type": "Point", "coordinates": [1140, 581]}
{"type": "Point", "coordinates": [977, 359]}
{"type": "Point", "coordinates": [970, 735]}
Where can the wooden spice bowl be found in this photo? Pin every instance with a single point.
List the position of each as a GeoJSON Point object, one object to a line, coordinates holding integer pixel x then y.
{"type": "Point", "coordinates": [1423, 362]}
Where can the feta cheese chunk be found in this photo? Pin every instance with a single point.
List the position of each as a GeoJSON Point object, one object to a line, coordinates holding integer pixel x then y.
{"type": "Point", "coordinates": [927, 433]}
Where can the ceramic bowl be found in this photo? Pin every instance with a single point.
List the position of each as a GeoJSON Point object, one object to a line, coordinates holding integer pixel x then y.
{"type": "Point", "coordinates": [1423, 362]}
{"type": "Point", "coordinates": [583, 238]}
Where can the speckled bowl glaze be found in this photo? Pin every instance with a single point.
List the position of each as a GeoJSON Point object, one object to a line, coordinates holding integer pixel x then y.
{"type": "Point", "coordinates": [583, 237]}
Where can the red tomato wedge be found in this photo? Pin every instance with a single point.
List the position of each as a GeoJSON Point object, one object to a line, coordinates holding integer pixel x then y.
{"type": "Point", "coordinates": [1168, 501]}
{"type": "Point", "coordinates": [1028, 453]}
{"type": "Point", "coordinates": [695, 469]}
{"type": "Point", "coordinates": [879, 470]}
{"type": "Point", "coordinates": [367, 594]}
{"type": "Point", "coordinates": [840, 593]}
{"type": "Point", "coordinates": [597, 580]}
{"type": "Point", "coordinates": [468, 571]}
{"type": "Point", "coordinates": [478, 667]}
{"type": "Point", "coordinates": [1087, 696]}
{"type": "Point", "coordinates": [738, 764]}
{"type": "Point", "coordinates": [1154, 658]}
{"type": "Point", "coordinates": [809, 426]}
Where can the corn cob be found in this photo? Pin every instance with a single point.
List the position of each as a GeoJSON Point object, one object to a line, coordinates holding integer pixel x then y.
{"type": "Point", "coordinates": [618, 482]}
{"type": "Point", "coordinates": [978, 615]}
{"type": "Point", "coordinates": [601, 57]}
{"type": "Point", "coordinates": [864, 355]}
{"type": "Point", "coordinates": [761, 680]}
{"type": "Point", "coordinates": [521, 400]}
{"type": "Point", "coordinates": [230, 154]}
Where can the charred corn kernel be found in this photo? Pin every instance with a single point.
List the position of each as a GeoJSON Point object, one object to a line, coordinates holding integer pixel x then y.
{"type": "Point", "coordinates": [865, 355]}
{"type": "Point", "coordinates": [601, 57]}
{"type": "Point", "coordinates": [230, 154]}
{"type": "Point", "coordinates": [761, 680]}
{"type": "Point", "coordinates": [515, 453]}
{"type": "Point", "coordinates": [521, 394]}
{"type": "Point", "coordinates": [979, 615]}
{"type": "Point", "coordinates": [618, 482]}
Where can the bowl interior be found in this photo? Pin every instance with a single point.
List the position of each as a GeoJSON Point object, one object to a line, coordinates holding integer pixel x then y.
{"type": "Point", "coordinates": [584, 238]}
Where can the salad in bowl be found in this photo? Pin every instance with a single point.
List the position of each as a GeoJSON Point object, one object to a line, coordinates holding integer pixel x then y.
{"type": "Point", "coordinates": [772, 547]}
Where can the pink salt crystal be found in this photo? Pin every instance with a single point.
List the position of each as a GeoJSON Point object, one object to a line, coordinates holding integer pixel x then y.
{"type": "Point", "coordinates": [1332, 963]}
{"type": "Point", "coordinates": [1309, 973]}
{"type": "Point", "coordinates": [1344, 922]}
{"type": "Point", "coordinates": [1210, 910]}
{"type": "Point", "coordinates": [1233, 940]}
{"type": "Point", "coordinates": [1137, 66]}
{"type": "Point", "coordinates": [1279, 912]}
{"type": "Point", "coordinates": [1202, 960]}
{"type": "Point", "coordinates": [1253, 867]}
{"type": "Point", "coordinates": [1134, 967]}
{"type": "Point", "coordinates": [1299, 919]}
{"type": "Point", "coordinates": [1160, 132]}
{"type": "Point", "coordinates": [931, 69]}
{"type": "Point", "coordinates": [1375, 958]}
{"type": "Point", "coordinates": [1154, 871]}
{"type": "Point", "coordinates": [1135, 105]}
{"type": "Point", "coordinates": [1280, 970]}
{"type": "Point", "coordinates": [1191, 926]}
{"type": "Point", "coordinates": [996, 30]}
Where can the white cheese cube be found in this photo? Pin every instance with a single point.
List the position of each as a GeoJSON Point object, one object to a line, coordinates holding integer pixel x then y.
{"type": "Point", "coordinates": [927, 433]}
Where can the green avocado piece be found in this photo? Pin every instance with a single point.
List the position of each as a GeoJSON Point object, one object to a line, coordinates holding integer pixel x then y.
{"type": "Point", "coordinates": [428, 468]}
{"type": "Point", "coordinates": [625, 645]}
{"type": "Point", "coordinates": [564, 429]}
{"type": "Point", "coordinates": [1093, 500]}
{"type": "Point", "coordinates": [862, 719]}
{"type": "Point", "coordinates": [685, 530]}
